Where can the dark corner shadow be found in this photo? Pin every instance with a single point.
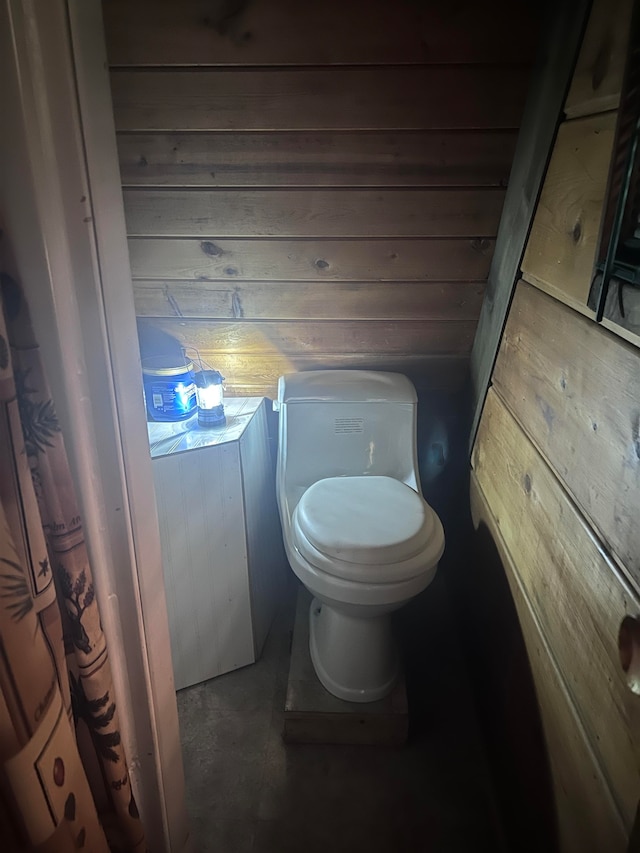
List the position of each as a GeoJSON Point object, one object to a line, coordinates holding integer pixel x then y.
{"type": "Point", "coordinates": [506, 699]}
{"type": "Point", "coordinates": [468, 615]}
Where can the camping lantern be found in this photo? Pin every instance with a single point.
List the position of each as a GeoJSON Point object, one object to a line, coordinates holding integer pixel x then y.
{"type": "Point", "coordinates": [209, 395]}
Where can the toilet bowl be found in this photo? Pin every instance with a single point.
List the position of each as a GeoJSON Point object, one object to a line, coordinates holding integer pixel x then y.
{"type": "Point", "coordinates": [357, 531]}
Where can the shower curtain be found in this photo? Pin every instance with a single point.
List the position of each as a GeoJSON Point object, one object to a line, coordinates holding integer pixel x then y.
{"type": "Point", "coordinates": [64, 783]}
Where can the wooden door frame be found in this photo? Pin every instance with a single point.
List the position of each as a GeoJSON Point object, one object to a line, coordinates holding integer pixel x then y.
{"type": "Point", "coordinates": [63, 214]}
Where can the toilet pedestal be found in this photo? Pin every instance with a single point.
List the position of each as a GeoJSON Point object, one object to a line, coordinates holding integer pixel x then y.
{"type": "Point", "coordinates": [313, 715]}
{"type": "Point", "coordinates": [352, 651]}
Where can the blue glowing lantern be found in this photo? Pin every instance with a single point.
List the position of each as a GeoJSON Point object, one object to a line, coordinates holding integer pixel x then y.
{"type": "Point", "coordinates": [209, 395]}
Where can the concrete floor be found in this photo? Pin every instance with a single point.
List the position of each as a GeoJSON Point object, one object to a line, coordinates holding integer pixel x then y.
{"type": "Point", "coordinates": [248, 791]}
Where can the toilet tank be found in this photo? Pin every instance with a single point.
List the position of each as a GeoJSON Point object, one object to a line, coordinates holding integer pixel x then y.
{"type": "Point", "coordinates": [344, 423]}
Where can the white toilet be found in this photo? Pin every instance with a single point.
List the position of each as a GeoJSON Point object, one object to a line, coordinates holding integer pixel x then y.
{"type": "Point", "coordinates": [357, 531]}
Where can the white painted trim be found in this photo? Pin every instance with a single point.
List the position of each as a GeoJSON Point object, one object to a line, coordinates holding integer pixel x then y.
{"type": "Point", "coordinates": [61, 202]}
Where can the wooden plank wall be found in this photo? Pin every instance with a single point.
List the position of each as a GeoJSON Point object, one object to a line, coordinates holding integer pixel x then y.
{"type": "Point", "coordinates": [556, 470]}
{"type": "Point", "coordinates": [316, 184]}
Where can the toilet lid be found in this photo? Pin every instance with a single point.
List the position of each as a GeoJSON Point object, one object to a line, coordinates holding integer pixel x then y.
{"type": "Point", "coordinates": [370, 521]}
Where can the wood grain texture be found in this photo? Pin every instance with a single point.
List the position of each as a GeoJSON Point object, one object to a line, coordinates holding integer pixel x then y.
{"type": "Point", "coordinates": [575, 591]}
{"type": "Point", "coordinates": [597, 80]}
{"type": "Point", "coordinates": [418, 98]}
{"type": "Point", "coordinates": [588, 820]}
{"type": "Point", "coordinates": [268, 149]}
{"type": "Point", "coordinates": [549, 81]}
{"type": "Point", "coordinates": [311, 260]}
{"type": "Point", "coordinates": [203, 32]}
{"type": "Point", "coordinates": [249, 374]}
{"type": "Point", "coordinates": [407, 158]}
{"type": "Point", "coordinates": [576, 390]}
{"type": "Point", "coordinates": [399, 300]}
{"type": "Point", "coordinates": [380, 337]}
{"type": "Point", "coordinates": [315, 213]}
{"type": "Point", "coordinates": [562, 245]}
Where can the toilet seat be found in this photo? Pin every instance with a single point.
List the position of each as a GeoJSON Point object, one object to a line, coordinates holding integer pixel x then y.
{"type": "Point", "coordinates": [367, 529]}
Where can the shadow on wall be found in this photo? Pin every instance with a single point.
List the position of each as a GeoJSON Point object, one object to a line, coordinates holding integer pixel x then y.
{"type": "Point", "coordinates": [473, 607]}
{"type": "Point", "coordinates": [154, 341]}
{"type": "Point", "coordinates": [505, 696]}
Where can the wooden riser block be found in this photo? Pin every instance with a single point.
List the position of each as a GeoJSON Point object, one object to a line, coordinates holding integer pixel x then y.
{"type": "Point", "coordinates": [313, 715]}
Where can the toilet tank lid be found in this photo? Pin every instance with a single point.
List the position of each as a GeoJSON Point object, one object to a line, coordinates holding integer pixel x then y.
{"type": "Point", "coordinates": [352, 386]}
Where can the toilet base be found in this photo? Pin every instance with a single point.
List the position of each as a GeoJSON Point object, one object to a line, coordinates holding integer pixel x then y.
{"type": "Point", "coordinates": [354, 658]}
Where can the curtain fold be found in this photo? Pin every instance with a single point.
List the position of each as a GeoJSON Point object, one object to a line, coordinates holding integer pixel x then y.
{"type": "Point", "coordinates": [60, 747]}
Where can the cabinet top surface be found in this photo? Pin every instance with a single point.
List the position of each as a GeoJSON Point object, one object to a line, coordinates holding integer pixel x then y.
{"type": "Point", "coordinates": [176, 437]}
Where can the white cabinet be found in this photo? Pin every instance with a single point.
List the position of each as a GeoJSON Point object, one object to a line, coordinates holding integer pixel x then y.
{"type": "Point", "coordinates": [221, 542]}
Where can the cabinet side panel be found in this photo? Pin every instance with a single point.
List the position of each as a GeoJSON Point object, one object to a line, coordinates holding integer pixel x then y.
{"type": "Point", "coordinates": [264, 540]}
{"type": "Point", "coordinates": [204, 555]}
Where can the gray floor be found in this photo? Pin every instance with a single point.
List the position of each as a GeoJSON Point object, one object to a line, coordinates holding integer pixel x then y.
{"type": "Point", "coordinates": [248, 791]}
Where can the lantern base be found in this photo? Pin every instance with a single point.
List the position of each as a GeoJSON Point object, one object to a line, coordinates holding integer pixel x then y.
{"type": "Point", "coordinates": [212, 417]}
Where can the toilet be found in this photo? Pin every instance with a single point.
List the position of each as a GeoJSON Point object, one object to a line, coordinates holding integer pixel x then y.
{"type": "Point", "coordinates": [357, 532]}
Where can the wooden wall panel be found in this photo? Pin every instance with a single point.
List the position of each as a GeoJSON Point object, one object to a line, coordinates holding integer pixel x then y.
{"type": "Point", "coordinates": [373, 98]}
{"type": "Point", "coordinates": [562, 245]}
{"type": "Point", "coordinates": [256, 374]}
{"type": "Point", "coordinates": [597, 80]}
{"type": "Point", "coordinates": [404, 300]}
{"type": "Point", "coordinates": [550, 77]}
{"type": "Point", "coordinates": [380, 337]}
{"type": "Point", "coordinates": [311, 260]}
{"type": "Point", "coordinates": [575, 591]}
{"type": "Point", "coordinates": [313, 213]}
{"type": "Point", "coordinates": [557, 455]}
{"type": "Point", "coordinates": [263, 32]}
{"type": "Point", "coordinates": [588, 819]}
{"type": "Point", "coordinates": [331, 158]}
{"type": "Point", "coordinates": [576, 391]}
{"type": "Point", "coordinates": [271, 148]}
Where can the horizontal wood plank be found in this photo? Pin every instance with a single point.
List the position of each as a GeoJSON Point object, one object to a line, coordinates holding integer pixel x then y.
{"type": "Point", "coordinates": [577, 594]}
{"type": "Point", "coordinates": [563, 240]}
{"type": "Point", "coordinates": [257, 375]}
{"type": "Point", "coordinates": [311, 260]}
{"type": "Point", "coordinates": [588, 820]}
{"type": "Point", "coordinates": [420, 98]}
{"type": "Point", "coordinates": [597, 80]}
{"type": "Point", "coordinates": [408, 158]}
{"type": "Point", "coordinates": [576, 388]}
{"type": "Point", "coordinates": [400, 300]}
{"type": "Point", "coordinates": [202, 32]}
{"type": "Point", "coordinates": [317, 213]}
{"type": "Point", "coordinates": [378, 337]}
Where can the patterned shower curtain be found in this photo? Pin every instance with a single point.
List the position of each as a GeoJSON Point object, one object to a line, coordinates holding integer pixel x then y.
{"type": "Point", "coordinates": [64, 783]}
